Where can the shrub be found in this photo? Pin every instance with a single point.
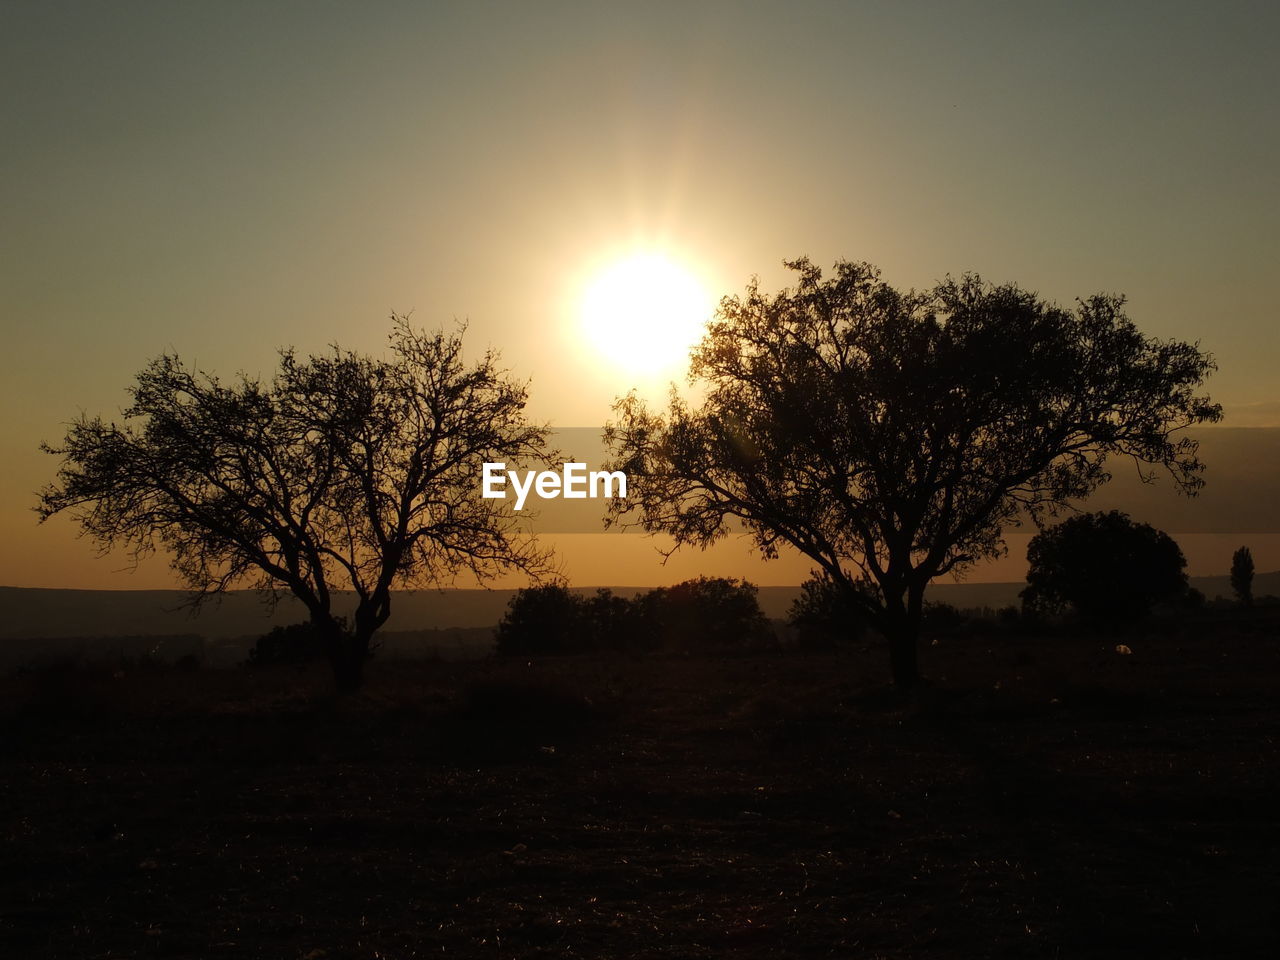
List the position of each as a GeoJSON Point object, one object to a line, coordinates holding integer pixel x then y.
{"type": "Point", "coordinates": [1105, 567]}
{"type": "Point", "coordinates": [617, 623]}
{"type": "Point", "coordinates": [709, 614]}
{"type": "Point", "coordinates": [941, 617]}
{"type": "Point", "coordinates": [704, 614]}
{"type": "Point", "coordinates": [547, 619]}
{"type": "Point", "coordinates": [825, 616]}
{"type": "Point", "coordinates": [296, 643]}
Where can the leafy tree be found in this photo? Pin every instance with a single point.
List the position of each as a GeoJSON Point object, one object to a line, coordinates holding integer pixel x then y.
{"type": "Point", "coordinates": [710, 613]}
{"type": "Point", "coordinates": [344, 471]}
{"type": "Point", "coordinates": [619, 623]}
{"type": "Point", "coordinates": [1104, 566]}
{"type": "Point", "coordinates": [295, 643]}
{"type": "Point", "coordinates": [1242, 576]}
{"type": "Point", "coordinates": [892, 436]}
{"type": "Point", "coordinates": [545, 619]}
{"type": "Point", "coordinates": [707, 613]}
{"type": "Point", "coordinates": [823, 615]}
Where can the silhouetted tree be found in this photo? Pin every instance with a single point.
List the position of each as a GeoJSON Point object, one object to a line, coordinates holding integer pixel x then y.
{"type": "Point", "coordinates": [708, 614]}
{"type": "Point", "coordinates": [621, 624]}
{"type": "Point", "coordinates": [1242, 576]}
{"type": "Point", "coordinates": [545, 619]}
{"type": "Point", "coordinates": [295, 643]}
{"type": "Point", "coordinates": [942, 618]}
{"type": "Point", "coordinates": [704, 614]}
{"type": "Point", "coordinates": [343, 471]}
{"type": "Point", "coordinates": [891, 436]}
{"type": "Point", "coordinates": [1105, 566]}
{"type": "Point", "coordinates": [823, 616]}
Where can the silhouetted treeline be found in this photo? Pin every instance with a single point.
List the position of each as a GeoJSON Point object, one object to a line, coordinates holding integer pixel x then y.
{"type": "Point", "coordinates": [705, 614]}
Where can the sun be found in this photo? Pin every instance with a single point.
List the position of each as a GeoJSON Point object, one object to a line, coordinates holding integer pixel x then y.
{"type": "Point", "coordinates": [644, 313]}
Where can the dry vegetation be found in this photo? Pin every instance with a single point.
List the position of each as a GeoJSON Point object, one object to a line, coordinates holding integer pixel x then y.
{"type": "Point", "coordinates": [1042, 797]}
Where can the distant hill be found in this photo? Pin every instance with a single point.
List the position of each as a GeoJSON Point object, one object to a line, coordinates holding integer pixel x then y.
{"type": "Point", "coordinates": [35, 613]}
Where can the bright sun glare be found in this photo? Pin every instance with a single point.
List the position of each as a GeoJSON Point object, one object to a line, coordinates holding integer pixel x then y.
{"type": "Point", "coordinates": [644, 313]}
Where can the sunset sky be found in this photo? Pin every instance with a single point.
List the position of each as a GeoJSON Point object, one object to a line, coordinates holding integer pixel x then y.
{"type": "Point", "coordinates": [222, 179]}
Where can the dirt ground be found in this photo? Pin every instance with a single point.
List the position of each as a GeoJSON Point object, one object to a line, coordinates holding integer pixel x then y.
{"type": "Point", "coordinates": [1041, 797]}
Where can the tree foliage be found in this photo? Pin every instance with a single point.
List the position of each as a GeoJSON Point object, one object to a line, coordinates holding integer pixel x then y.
{"type": "Point", "coordinates": [622, 624]}
{"type": "Point", "coordinates": [343, 471]}
{"type": "Point", "coordinates": [823, 615]}
{"type": "Point", "coordinates": [706, 614]}
{"type": "Point", "coordinates": [891, 437]}
{"type": "Point", "coordinates": [1105, 567]}
{"type": "Point", "coordinates": [710, 614]}
{"type": "Point", "coordinates": [295, 643]}
{"type": "Point", "coordinates": [544, 619]}
{"type": "Point", "coordinates": [1242, 576]}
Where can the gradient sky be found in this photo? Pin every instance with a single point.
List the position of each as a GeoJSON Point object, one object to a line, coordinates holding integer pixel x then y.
{"type": "Point", "coordinates": [221, 179]}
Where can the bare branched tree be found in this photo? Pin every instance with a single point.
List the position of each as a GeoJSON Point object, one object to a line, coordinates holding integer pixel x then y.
{"type": "Point", "coordinates": [344, 472]}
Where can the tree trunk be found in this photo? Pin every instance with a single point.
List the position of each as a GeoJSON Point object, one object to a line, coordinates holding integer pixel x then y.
{"type": "Point", "coordinates": [903, 659]}
{"type": "Point", "coordinates": [902, 630]}
{"type": "Point", "coordinates": [348, 665]}
{"type": "Point", "coordinates": [347, 654]}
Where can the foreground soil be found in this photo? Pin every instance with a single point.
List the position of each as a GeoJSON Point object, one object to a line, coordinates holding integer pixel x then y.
{"type": "Point", "coordinates": [1042, 797]}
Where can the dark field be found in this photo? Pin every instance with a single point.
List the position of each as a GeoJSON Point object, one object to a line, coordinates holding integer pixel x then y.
{"type": "Point", "coordinates": [1044, 797]}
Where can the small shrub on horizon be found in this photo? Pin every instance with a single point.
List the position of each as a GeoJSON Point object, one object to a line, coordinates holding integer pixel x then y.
{"type": "Point", "coordinates": [296, 643]}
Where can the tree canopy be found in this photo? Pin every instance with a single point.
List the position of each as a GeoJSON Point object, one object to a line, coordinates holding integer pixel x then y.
{"type": "Point", "coordinates": [1242, 576]}
{"type": "Point", "coordinates": [544, 619]}
{"type": "Point", "coordinates": [343, 472]}
{"type": "Point", "coordinates": [1104, 566]}
{"type": "Point", "coordinates": [823, 616]}
{"type": "Point", "coordinates": [702, 615]}
{"type": "Point", "coordinates": [892, 436]}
